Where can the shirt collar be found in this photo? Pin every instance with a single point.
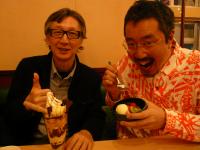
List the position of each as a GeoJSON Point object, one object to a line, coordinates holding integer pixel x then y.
{"type": "Point", "coordinates": [54, 71]}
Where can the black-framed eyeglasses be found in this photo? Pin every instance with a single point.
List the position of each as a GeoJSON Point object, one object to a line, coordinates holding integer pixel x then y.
{"type": "Point", "coordinates": [58, 33]}
{"type": "Point", "coordinates": [131, 46]}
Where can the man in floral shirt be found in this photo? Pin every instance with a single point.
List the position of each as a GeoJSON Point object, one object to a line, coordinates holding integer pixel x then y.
{"type": "Point", "coordinates": [158, 70]}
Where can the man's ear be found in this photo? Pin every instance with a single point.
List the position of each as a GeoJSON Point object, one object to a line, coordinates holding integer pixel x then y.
{"type": "Point", "coordinates": [47, 42]}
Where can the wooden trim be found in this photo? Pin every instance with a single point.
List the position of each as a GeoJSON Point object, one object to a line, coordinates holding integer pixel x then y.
{"type": "Point", "coordinates": [6, 72]}
{"type": "Point", "coordinates": [188, 19]}
{"type": "Point", "coordinates": [6, 76]}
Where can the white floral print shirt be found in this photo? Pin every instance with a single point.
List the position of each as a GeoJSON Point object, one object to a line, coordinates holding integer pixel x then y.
{"type": "Point", "coordinates": [176, 88]}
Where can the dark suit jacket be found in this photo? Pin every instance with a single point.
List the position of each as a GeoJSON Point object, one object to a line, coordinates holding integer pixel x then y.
{"type": "Point", "coordinates": [84, 92]}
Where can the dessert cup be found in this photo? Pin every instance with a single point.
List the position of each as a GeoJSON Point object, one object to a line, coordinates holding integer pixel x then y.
{"type": "Point", "coordinates": [57, 129]}
{"type": "Point", "coordinates": [139, 103]}
{"type": "Point", "coordinates": [56, 121]}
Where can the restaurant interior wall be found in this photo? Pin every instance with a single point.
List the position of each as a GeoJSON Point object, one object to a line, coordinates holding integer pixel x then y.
{"type": "Point", "coordinates": [22, 33]}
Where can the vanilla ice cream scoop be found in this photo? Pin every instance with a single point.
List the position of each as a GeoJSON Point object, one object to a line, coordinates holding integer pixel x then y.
{"type": "Point", "coordinates": [55, 107]}
{"type": "Point", "coordinates": [122, 109]}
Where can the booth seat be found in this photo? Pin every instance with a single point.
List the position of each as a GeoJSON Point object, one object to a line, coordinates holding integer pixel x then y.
{"type": "Point", "coordinates": [5, 81]}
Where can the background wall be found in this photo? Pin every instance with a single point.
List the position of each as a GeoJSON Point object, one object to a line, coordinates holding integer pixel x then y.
{"type": "Point", "coordinates": [22, 21]}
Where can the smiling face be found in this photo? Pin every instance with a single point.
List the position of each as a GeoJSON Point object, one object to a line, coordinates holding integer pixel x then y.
{"type": "Point", "coordinates": [64, 49]}
{"type": "Point", "coordinates": [151, 51]}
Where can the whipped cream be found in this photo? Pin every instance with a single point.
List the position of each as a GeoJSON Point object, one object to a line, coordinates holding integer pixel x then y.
{"type": "Point", "coordinates": [55, 107]}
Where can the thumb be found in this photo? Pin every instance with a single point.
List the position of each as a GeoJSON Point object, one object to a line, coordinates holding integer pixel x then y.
{"type": "Point", "coordinates": [36, 82]}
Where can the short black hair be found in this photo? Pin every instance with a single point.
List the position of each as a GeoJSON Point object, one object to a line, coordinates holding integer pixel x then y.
{"type": "Point", "coordinates": [145, 9]}
{"type": "Point", "coordinates": [61, 14]}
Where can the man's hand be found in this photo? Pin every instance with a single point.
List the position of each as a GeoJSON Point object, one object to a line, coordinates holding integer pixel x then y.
{"type": "Point", "coordinates": [36, 99]}
{"type": "Point", "coordinates": [153, 117]}
{"type": "Point", "coordinates": [80, 141]}
{"type": "Point", "coordinates": [110, 82]}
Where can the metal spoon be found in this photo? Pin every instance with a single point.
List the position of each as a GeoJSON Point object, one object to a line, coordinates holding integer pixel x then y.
{"type": "Point", "coordinates": [120, 84]}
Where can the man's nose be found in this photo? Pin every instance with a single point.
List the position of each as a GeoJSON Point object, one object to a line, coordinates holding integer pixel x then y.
{"type": "Point", "coordinates": [139, 52]}
{"type": "Point", "coordinates": [64, 38]}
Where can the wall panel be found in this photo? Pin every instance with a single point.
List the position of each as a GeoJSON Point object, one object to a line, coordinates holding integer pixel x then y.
{"type": "Point", "coordinates": [21, 28]}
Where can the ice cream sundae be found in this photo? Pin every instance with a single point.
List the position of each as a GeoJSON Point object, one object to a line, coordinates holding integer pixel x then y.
{"type": "Point", "coordinates": [56, 121]}
{"type": "Point", "coordinates": [129, 107]}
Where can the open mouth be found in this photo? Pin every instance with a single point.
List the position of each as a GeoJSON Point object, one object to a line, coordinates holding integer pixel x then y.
{"type": "Point", "coordinates": [64, 49]}
{"type": "Point", "coordinates": [145, 62]}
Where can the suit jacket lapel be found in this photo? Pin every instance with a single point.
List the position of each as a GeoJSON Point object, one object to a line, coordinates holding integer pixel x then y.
{"type": "Point", "coordinates": [45, 71]}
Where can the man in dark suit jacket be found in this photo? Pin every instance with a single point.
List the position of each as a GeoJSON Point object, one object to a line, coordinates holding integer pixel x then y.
{"type": "Point", "coordinates": [65, 30]}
